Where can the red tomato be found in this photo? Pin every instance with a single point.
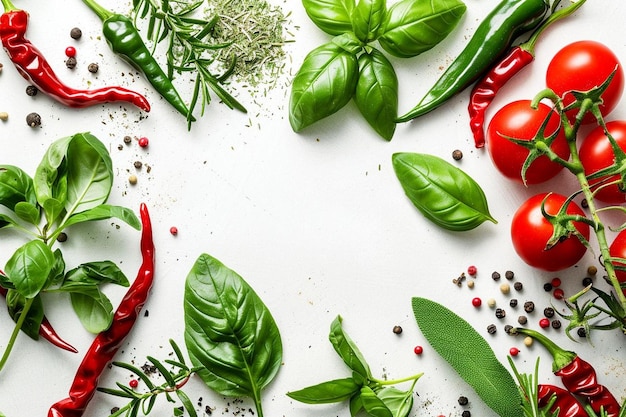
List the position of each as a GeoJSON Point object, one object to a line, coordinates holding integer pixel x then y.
{"type": "Point", "coordinates": [582, 66]}
{"type": "Point", "coordinates": [520, 121]}
{"type": "Point", "coordinates": [596, 153]}
{"type": "Point", "coordinates": [618, 250]}
{"type": "Point", "coordinates": [530, 231]}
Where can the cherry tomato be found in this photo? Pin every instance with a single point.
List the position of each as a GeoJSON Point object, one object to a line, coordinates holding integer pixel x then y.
{"type": "Point", "coordinates": [530, 231]}
{"type": "Point", "coordinates": [596, 154]}
{"type": "Point", "coordinates": [582, 66]}
{"type": "Point", "coordinates": [520, 121]}
{"type": "Point", "coordinates": [618, 250]}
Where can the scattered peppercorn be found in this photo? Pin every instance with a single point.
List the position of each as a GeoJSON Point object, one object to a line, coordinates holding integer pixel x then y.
{"type": "Point", "coordinates": [491, 302]}
{"type": "Point", "coordinates": [558, 294]}
{"type": "Point", "coordinates": [31, 90]}
{"type": "Point", "coordinates": [143, 142]}
{"type": "Point", "coordinates": [174, 232]}
{"type": "Point", "coordinates": [500, 313]}
{"type": "Point", "coordinates": [547, 287]}
{"type": "Point", "coordinates": [495, 276]}
{"type": "Point", "coordinates": [472, 270]}
{"type": "Point", "coordinates": [584, 203]}
{"type": "Point", "coordinates": [76, 33]}
{"type": "Point", "coordinates": [522, 320]}
{"type": "Point", "coordinates": [70, 51]}
{"type": "Point", "coordinates": [62, 237]}
{"type": "Point", "coordinates": [529, 306]}
{"type": "Point", "coordinates": [476, 302]}
{"type": "Point", "coordinates": [93, 68]}
{"type": "Point", "coordinates": [514, 351]}
{"type": "Point", "coordinates": [556, 282]}
{"type": "Point", "coordinates": [115, 410]}
{"type": "Point", "coordinates": [418, 350]}
{"type": "Point", "coordinates": [396, 329]}
{"type": "Point", "coordinates": [33, 119]}
{"type": "Point", "coordinates": [457, 155]}
{"type": "Point", "coordinates": [505, 288]}
{"type": "Point", "coordinates": [466, 413]}
{"type": "Point", "coordinates": [556, 324]}
{"type": "Point", "coordinates": [128, 140]}
{"type": "Point", "coordinates": [132, 179]}
{"type": "Point", "coordinates": [491, 329]}
{"type": "Point", "coordinates": [508, 329]}
{"type": "Point", "coordinates": [592, 270]}
{"type": "Point", "coordinates": [587, 281]}
{"type": "Point", "coordinates": [133, 383]}
{"type": "Point", "coordinates": [509, 275]}
{"type": "Point", "coordinates": [4, 116]}
{"type": "Point", "coordinates": [470, 284]}
{"type": "Point", "coordinates": [548, 312]}
{"type": "Point", "coordinates": [528, 341]}
{"type": "Point", "coordinates": [138, 164]}
{"type": "Point", "coordinates": [544, 322]}
{"type": "Point", "coordinates": [581, 332]}
{"type": "Point", "coordinates": [513, 302]}
{"type": "Point", "coordinates": [71, 62]}
{"type": "Point", "coordinates": [518, 286]}
{"type": "Point", "coordinates": [463, 400]}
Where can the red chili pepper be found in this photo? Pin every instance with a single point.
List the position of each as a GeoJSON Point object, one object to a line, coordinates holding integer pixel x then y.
{"type": "Point", "coordinates": [577, 375]}
{"type": "Point", "coordinates": [485, 90]}
{"type": "Point", "coordinates": [47, 332]}
{"type": "Point", "coordinates": [107, 343]}
{"type": "Point", "coordinates": [32, 65]}
{"type": "Point", "coordinates": [565, 402]}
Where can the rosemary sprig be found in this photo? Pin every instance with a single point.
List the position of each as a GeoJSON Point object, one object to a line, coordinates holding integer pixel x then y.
{"type": "Point", "coordinates": [529, 388]}
{"type": "Point", "coordinates": [189, 47]}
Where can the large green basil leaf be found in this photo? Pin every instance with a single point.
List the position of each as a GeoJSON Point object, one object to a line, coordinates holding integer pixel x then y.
{"type": "Point", "coordinates": [15, 186]}
{"type": "Point", "coordinates": [29, 268]}
{"type": "Point", "coordinates": [103, 212]}
{"type": "Point", "coordinates": [470, 355]}
{"type": "Point", "coordinates": [96, 273]}
{"type": "Point", "coordinates": [373, 405]}
{"type": "Point", "coordinates": [367, 19]}
{"type": "Point", "coordinates": [89, 173]}
{"type": "Point", "coordinates": [397, 401]}
{"type": "Point", "coordinates": [443, 193]}
{"type": "Point", "coordinates": [324, 84]}
{"type": "Point", "coordinates": [347, 350]}
{"type": "Point", "coordinates": [376, 93]}
{"type": "Point", "coordinates": [334, 391]}
{"type": "Point", "coordinates": [50, 180]}
{"type": "Point", "coordinates": [92, 306]}
{"type": "Point", "coordinates": [229, 331]}
{"type": "Point", "coordinates": [332, 16]}
{"type": "Point", "coordinates": [412, 27]}
{"type": "Point", "coordinates": [34, 316]}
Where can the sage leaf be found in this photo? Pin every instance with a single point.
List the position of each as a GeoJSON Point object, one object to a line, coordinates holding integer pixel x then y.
{"type": "Point", "coordinates": [334, 391]}
{"type": "Point", "coordinates": [229, 331]}
{"type": "Point", "coordinates": [413, 27]}
{"type": "Point", "coordinates": [331, 16]}
{"type": "Point", "coordinates": [29, 268]}
{"type": "Point", "coordinates": [443, 193]}
{"type": "Point", "coordinates": [376, 93]}
{"type": "Point", "coordinates": [347, 350]}
{"type": "Point", "coordinates": [15, 186]}
{"type": "Point", "coordinates": [367, 19]}
{"type": "Point", "coordinates": [324, 84]}
{"type": "Point", "coordinates": [470, 355]}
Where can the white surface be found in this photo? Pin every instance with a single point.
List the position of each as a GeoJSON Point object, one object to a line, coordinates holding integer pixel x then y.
{"type": "Point", "coordinates": [316, 222]}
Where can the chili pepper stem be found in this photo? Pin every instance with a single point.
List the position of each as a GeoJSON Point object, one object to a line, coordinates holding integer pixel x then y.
{"type": "Point", "coordinates": [560, 356]}
{"type": "Point", "coordinates": [16, 332]}
{"type": "Point", "coordinates": [398, 381]}
{"type": "Point", "coordinates": [102, 13]}
{"type": "Point", "coordinates": [8, 6]}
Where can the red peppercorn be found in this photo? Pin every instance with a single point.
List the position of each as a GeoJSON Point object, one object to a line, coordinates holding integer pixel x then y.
{"type": "Point", "coordinates": [143, 142]}
{"type": "Point", "coordinates": [558, 294]}
{"type": "Point", "coordinates": [544, 322]}
{"type": "Point", "coordinates": [514, 351]}
{"type": "Point", "coordinates": [174, 230]}
{"type": "Point", "coordinates": [471, 270]}
{"type": "Point", "coordinates": [556, 282]}
{"type": "Point", "coordinates": [70, 51]}
{"type": "Point", "coordinates": [418, 350]}
{"type": "Point", "coordinates": [476, 302]}
{"type": "Point", "coordinates": [133, 383]}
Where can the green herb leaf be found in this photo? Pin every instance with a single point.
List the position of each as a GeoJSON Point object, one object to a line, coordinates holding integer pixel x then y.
{"type": "Point", "coordinates": [367, 19]}
{"type": "Point", "coordinates": [34, 316]}
{"type": "Point", "coordinates": [347, 350]}
{"type": "Point", "coordinates": [28, 212]}
{"type": "Point", "coordinates": [373, 405]}
{"type": "Point", "coordinates": [103, 212]}
{"type": "Point", "coordinates": [93, 308]}
{"type": "Point", "coordinates": [29, 268]}
{"type": "Point", "coordinates": [470, 355]}
{"type": "Point", "coordinates": [50, 180]}
{"type": "Point", "coordinates": [324, 84]}
{"type": "Point", "coordinates": [376, 93]}
{"type": "Point", "coordinates": [334, 391]}
{"type": "Point", "coordinates": [229, 331]}
{"type": "Point", "coordinates": [442, 192]}
{"type": "Point", "coordinates": [96, 273]}
{"type": "Point", "coordinates": [6, 221]}
{"type": "Point", "coordinates": [331, 16]}
{"type": "Point", "coordinates": [15, 186]}
{"type": "Point", "coordinates": [413, 27]}
{"type": "Point", "coordinates": [397, 401]}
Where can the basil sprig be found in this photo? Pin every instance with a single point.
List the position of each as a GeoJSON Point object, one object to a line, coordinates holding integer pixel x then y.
{"type": "Point", "coordinates": [350, 67]}
{"type": "Point", "coordinates": [378, 398]}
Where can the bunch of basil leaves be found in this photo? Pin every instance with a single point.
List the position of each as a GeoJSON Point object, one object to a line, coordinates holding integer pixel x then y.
{"type": "Point", "coordinates": [350, 67]}
{"type": "Point", "coordinates": [71, 185]}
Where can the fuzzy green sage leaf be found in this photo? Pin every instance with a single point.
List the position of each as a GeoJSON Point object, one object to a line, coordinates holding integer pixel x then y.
{"type": "Point", "coordinates": [470, 355]}
{"type": "Point", "coordinates": [443, 193]}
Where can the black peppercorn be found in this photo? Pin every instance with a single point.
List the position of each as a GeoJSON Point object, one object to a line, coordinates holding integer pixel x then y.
{"type": "Point", "coordinates": [491, 329]}
{"type": "Point", "coordinates": [397, 329]}
{"type": "Point", "coordinates": [466, 413]}
{"type": "Point", "coordinates": [463, 400]}
{"type": "Point", "coordinates": [522, 320]}
{"type": "Point", "coordinates": [70, 62]}
{"type": "Point", "coordinates": [547, 287]}
{"type": "Point", "coordinates": [548, 312]}
{"type": "Point", "coordinates": [500, 313]}
{"type": "Point", "coordinates": [508, 328]}
{"type": "Point", "coordinates": [529, 306]}
{"type": "Point", "coordinates": [556, 324]}
{"type": "Point", "coordinates": [513, 302]}
{"type": "Point", "coordinates": [62, 237]}
{"type": "Point", "coordinates": [138, 165]}
{"type": "Point", "coordinates": [93, 68]}
{"type": "Point", "coordinates": [581, 332]}
{"type": "Point", "coordinates": [584, 203]}
{"type": "Point", "coordinates": [495, 275]}
{"type": "Point", "coordinates": [31, 90]}
{"type": "Point", "coordinates": [509, 275]}
{"type": "Point", "coordinates": [518, 286]}
{"type": "Point", "coordinates": [457, 155]}
{"type": "Point", "coordinates": [127, 140]}
{"type": "Point", "coordinates": [587, 281]}
{"type": "Point", "coordinates": [33, 119]}
{"type": "Point", "coordinates": [76, 33]}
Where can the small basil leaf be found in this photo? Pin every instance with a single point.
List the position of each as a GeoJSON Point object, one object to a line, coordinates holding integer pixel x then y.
{"type": "Point", "coordinates": [373, 405]}
{"type": "Point", "coordinates": [103, 212]}
{"type": "Point", "coordinates": [348, 42]}
{"type": "Point", "coordinates": [93, 308]}
{"type": "Point", "coordinates": [324, 84]}
{"type": "Point", "coordinates": [34, 317]}
{"type": "Point", "coordinates": [376, 93]}
{"type": "Point", "coordinates": [58, 269]}
{"type": "Point", "coordinates": [331, 16]}
{"type": "Point", "coordinates": [399, 402]}
{"type": "Point", "coordinates": [15, 186]}
{"type": "Point", "coordinates": [6, 221]}
{"type": "Point", "coordinates": [367, 19]}
{"type": "Point", "coordinates": [470, 355]}
{"type": "Point", "coordinates": [347, 350]}
{"type": "Point", "coordinates": [96, 273]}
{"type": "Point", "coordinates": [334, 391]}
{"type": "Point", "coordinates": [29, 268]}
{"type": "Point", "coordinates": [356, 405]}
{"type": "Point", "coordinates": [51, 177]}
{"type": "Point", "coordinates": [28, 212]}
{"type": "Point", "coordinates": [413, 27]}
{"type": "Point", "coordinates": [443, 193]}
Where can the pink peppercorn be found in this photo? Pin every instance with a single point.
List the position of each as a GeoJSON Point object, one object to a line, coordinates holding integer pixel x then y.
{"type": "Point", "coordinates": [174, 230]}
{"type": "Point", "coordinates": [514, 351]}
{"type": "Point", "coordinates": [70, 51]}
{"type": "Point", "coordinates": [476, 302]}
{"type": "Point", "coordinates": [556, 282]}
{"type": "Point", "coordinates": [558, 294]}
{"type": "Point", "coordinates": [133, 383]}
{"type": "Point", "coordinates": [143, 142]}
{"type": "Point", "coordinates": [544, 323]}
{"type": "Point", "coordinates": [418, 350]}
{"type": "Point", "coordinates": [472, 270]}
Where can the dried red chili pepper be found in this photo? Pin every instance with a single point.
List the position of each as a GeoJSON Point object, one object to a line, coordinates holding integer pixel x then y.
{"type": "Point", "coordinates": [577, 375]}
{"type": "Point", "coordinates": [47, 332]}
{"type": "Point", "coordinates": [565, 402]}
{"type": "Point", "coordinates": [486, 89]}
{"type": "Point", "coordinates": [32, 65]}
{"type": "Point", "coordinates": [107, 343]}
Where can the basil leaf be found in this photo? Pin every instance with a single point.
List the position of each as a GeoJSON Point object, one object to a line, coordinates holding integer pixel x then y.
{"type": "Point", "coordinates": [324, 84]}
{"type": "Point", "coordinates": [331, 16]}
{"type": "Point", "coordinates": [347, 350]}
{"type": "Point", "coordinates": [373, 405]}
{"type": "Point", "coordinates": [58, 268]}
{"type": "Point", "coordinates": [28, 212]}
{"type": "Point", "coordinates": [470, 355]}
{"type": "Point", "coordinates": [103, 212]}
{"type": "Point", "coordinates": [367, 19]}
{"type": "Point", "coordinates": [442, 192]}
{"type": "Point", "coordinates": [397, 401]}
{"type": "Point", "coordinates": [15, 186]}
{"type": "Point", "coordinates": [93, 308]}
{"type": "Point", "coordinates": [96, 273]}
{"type": "Point", "coordinates": [413, 27]}
{"type": "Point", "coordinates": [376, 93]}
{"type": "Point", "coordinates": [229, 331]}
{"type": "Point", "coordinates": [348, 42]}
{"type": "Point", "coordinates": [356, 405]}
{"type": "Point", "coordinates": [334, 391]}
{"type": "Point", "coordinates": [34, 316]}
{"type": "Point", "coordinates": [50, 180]}
{"type": "Point", "coordinates": [6, 221]}
{"type": "Point", "coordinates": [29, 268]}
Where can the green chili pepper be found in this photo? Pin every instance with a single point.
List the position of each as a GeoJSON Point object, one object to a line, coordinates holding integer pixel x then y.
{"type": "Point", "coordinates": [124, 39]}
{"type": "Point", "coordinates": [493, 37]}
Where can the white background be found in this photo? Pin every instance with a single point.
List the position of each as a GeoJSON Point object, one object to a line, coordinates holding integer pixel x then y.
{"type": "Point", "coordinates": [316, 222]}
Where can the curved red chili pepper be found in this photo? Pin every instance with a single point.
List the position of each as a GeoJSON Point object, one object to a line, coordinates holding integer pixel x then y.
{"type": "Point", "coordinates": [47, 332]}
{"type": "Point", "coordinates": [107, 343]}
{"type": "Point", "coordinates": [32, 65]}
{"type": "Point", "coordinates": [565, 402]}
